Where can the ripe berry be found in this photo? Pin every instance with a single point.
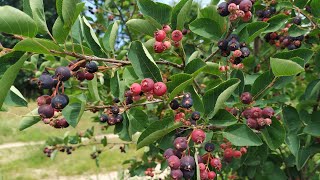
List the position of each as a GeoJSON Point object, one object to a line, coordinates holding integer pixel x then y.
{"type": "Point", "coordinates": [167, 44]}
{"type": "Point", "coordinates": [42, 100]}
{"type": "Point", "coordinates": [118, 118]}
{"type": "Point", "coordinates": [246, 98]}
{"type": "Point", "coordinates": [296, 20]}
{"type": "Point", "coordinates": [245, 52]}
{"type": "Point", "coordinates": [223, 44]}
{"type": "Point", "coordinates": [216, 163]}
{"type": "Point", "coordinates": [166, 28]}
{"type": "Point", "coordinates": [223, 9]}
{"type": "Point", "coordinates": [202, 166]}
{"type": "Point", "coordinates": [188, 163]}
{"type": "Point", "coordinates": [245, 5]}
{"type": "Point", "coordinates": [115, 110]}
{"type": "Point", "coordinates": [267, 112]}
{"type": "Point", "coordinates": [185, 31]}
{"type": "Point", "coordinates": [147, 85]}
{"type": "Point", "coordinates": [135, 88]}
{"type": "Point", "coordinates": [243, 150]}
{"type": "Point", "coordinates": [103, 118]}
{"type": "Point", "coordinates": [176, 174]}
{"type": "Point", "coordinates": [60, 101]}
{"type": "Point", "coordinates": [225, 53]}
{"type": "Point", "coordinates": [81, 75]}
{"type": "Point", "coordinates": [187, 103]}
{"type": "Point", "coordinates": [63, 73]}
{"type": "Point", "coordinates": [92, 67]}
{"type": "Point", "coordinates": [174, 104]}
{"type": "Point", "coordinates": [111, 120]}
{"type": "Point", "coordinates": [176, 35]}
{"type": "Point", "coordinates": [46, 111]}
{"type": "Point", "coordinates": [174, 162]}
{"type": "Point", "coordinates": [116, 100]}
{"type": "Point", "coordinates": [167, 153]}
{"type": "Point", "coordinates": [45, 81]}
{"type": "Point", "coordinates": [159, 88]}
{"type": "Point", "coordinates": [160, 35]}
{"type": "Point", "coordinates": [188, 174]}
{"type": "Point", "coordinates": [256, 112]}
{"type": "Point", "coordinates": [89, 76]}
{"type": "Point", "coordinates": [198, 136]}
{"type": "Point", "coordinates": [233, 45]}
{"type": "Point", "coordinates": [195, 115]}
{"type": "Point", "coordinates": [211, 175]}
{"type": "Point", "coordinates": [209, 147]}
{"type": "Point", "coordinates": [204, 175]}
{"type": "Point", "coordinates": [158, 47]}
{"type": "Point", "coordinates": [237, 53]}
{"type": "Point", "coordinates": [237, 154]}
{"type": "Point", "coordinates": [62, 123]}
{"type": "Point", "coordinates": [180, 143]}
{"type": "Point", "coordinates": [291, 47]}
{"type": "Point", "coordinates": [252, 123]}
{"type": "Point", "coordinates": [129, 100]}
{"type": "Point", "coordinates": [232, 7]}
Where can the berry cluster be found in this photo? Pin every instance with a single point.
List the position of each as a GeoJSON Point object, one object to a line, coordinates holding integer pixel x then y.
{"type": "Point", "coordinates": [229, 153]}
{"type": "Point", "coordinates": [236, 9]}
{"type": "Point", "coordinates": [95, 154]}
{"type": "Point", "coordinates": [49, 105]}
{"type": "Point", "coordinates": [257, 118]}
{"type": "Point", "coordinates": [265, 14]}
{"type": "Point", "coordinates": [112, 117]}
{"type": "Point", "coordinates": [283, 40]}
{"type": "Point", "coordinates": [162, 43]}
{"type": "Point", "coordinates": [232, 44]}
{"type": "Point", "coordinates": [48, 151]}
{"type": "Point", "coordinates": [149, 172]}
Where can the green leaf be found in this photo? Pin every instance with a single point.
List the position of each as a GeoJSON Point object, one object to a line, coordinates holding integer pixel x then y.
{"type": "Point", "coordinates": [291, 119]}
{"type": "Point", "coordinates": [274, 134]}
{"type": "Point", "coordinates": [304, 154]}
{"type": "Point", "coordinates": [138, 120]}
{"type": "Point", "coordinates": [77, 48]}
{"type": "Point", "coordinates": [315, 8]}
{"type": "Point", "coordinates": [262, 82]}
{"type": "Point", "coordinates": [29, 119]}
{"type": "Point", "coordinates": [158, 11]}
{"type": "Point", "coordinates": [141, 26]}
{"type": "Point", "coordinates": [35, 10]}
{"type": "Point", "coordinates": [312, 90]}
{"type": "Point", "coordinates": [241, 135]}
{"type": "Point", "coordinates": [197, 101]}
{"type": "Point", "coordinates": [178, 84]}
{"type": "Point", "coordinates": [282, 67]}
{"type": "Point", "coordinates": [313, 127]}
{"type": "Point", "coordinates": [216, 97]}
{"type": "Point", "coordinates": [206, 28]}
{"type": "Point", "coordinates": [11, 64]}
{"type": "Point", "coordinates": [70, 12]}
{"type": "Point", "coordinates": [177, 9]}
{"type": "Point", "coordinates": [296, 31]}
{"type": "Point", "coordinates": [182, 14]}
{"type": "Point", "coordinates": [212, 13]}
{"type": "Point", "coordinates": [104, 141]}
{"type": "Point", "coordinates": [122, 129]}
{"type": "Point", "coordinates": [14, 21]}
{"type": "Point", "coordinates": [305, 54]}
{"type": "Point", "coordinates": [142, 62]}
{"type": "Point", "coordinates": [15, 98]}
{"type": "Point", "coordinates": [36, 45]}
{"type": "Point", "coordinates": [195, 67]}
{"type": "Point", "coordinates": [115, 85]}
{"type": "Point", "coordinates": [156, 131]}
{"type": "Point", "coordinates": [59, 8]}
{"type": "Point", "coordinates": [74, 110]}
{"type": "Point", "coordinates": [223, 118]}
{"type": "Point", "coordinates": [293, 142]}
{"type": "Point", "coordinates": [276, 22]}
{"type": "Point", "coordinates": [60, 32]}
{"type": "Point", "coordinates": [300, 3]}
{"type": "Point", "coordinates": [110, 36]}
{"type": "Point", "coordinates": [212, 68]}
{"type": "Point", "coordinates": [252, 30]}
{"type": "Point", "coordinates": [93, 88]}
{"type": "Point", "coordinates": [238, 74]}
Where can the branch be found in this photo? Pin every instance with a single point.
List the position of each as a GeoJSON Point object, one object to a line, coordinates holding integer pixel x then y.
{"type": "Point", "coordinates": [269, 86]}
{"type": "Point", "coordinates": [211, 55]}
{"type": "Point", "coordinates": [124, 106]}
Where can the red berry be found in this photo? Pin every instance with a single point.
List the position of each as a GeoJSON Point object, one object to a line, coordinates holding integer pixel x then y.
{"type": "Point", "coordinates": [167, 44]}
{"type": "Point", "coordinates": [158, 47]}
{"type": "Point", "coordinates": [252, 123]}
{"type": "Point", "coordinates": [204, 175]}
{"type": "Point", "coordinates": [246, 98]}
{"type": "Point", "coordinates": [166, 28]}
{"type": "Point", "coordinates": [159, 88]}
{"type": "Point", "coordinates": [135, 88]}
{"type": "Point", "coordinates": [222, 68]}
{"type": "Point", "coordinates": [81, 75]}
{"type": "Point", "coordinates": [216, 163]}
{"type": "Point", "coordinates": [174, 162]}
{"type": "Point", "coordinates": [247, 16]}
{"type": "Point", "coordinates": [268, 121]}
{"type": "Point", "coordinates": [160, 35]}
{"type": "Point", "coordinates": [267, 112]}
{"type": "Point", "coordinates": [136, 98]}
{"type": "Point", "coordinates": [223, 146]}
{"type": "Point", "coordinates": [89, 76]}
{"type": "Point", "coordinates": [147, 85]}
{"type": "Point", "coordinates": [211, 175]}
{"type": "Point", "coordinates": [176, 35]}
{"type": "Point", "coordinates": [240, 13]}
{"type": "Point", "coordinates": [237, 53]}
{"type": "Point", "coordinates": [245, 5]}
{"type": "Point", "coordinates": [237, 154]}
{"type": "Point", "coordinates": [42, 100]}
{"type": "Point", "coordinates": [176, 44]}
{"type": "Point", "coordinates": [256, 112]}
{"type": "Point", "coordinates": [228, 153]}
{"type": "Point", "coordinates": [202, 166]}
{"type": "Point", "coordinates": [243, 150]}
{"type": "Point", "coordinates": [198, 136]}
{"type": "Point", "coordinates": [176, 174]}
{"type": "Point", "coordinates": [179, 116]}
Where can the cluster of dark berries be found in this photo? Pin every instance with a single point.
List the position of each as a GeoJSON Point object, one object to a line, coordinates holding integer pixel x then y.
{"type": "Point", "coordinates": [236, 9]}
{"type": "Point", "coordinates": [229, 152]}
{"type": "Point", "coordinates": [149, 172]}
{"type": "Point", "coordinates": [232, 44]}
{"type": "Point", "coordinates": [257, 118]}
{"type": "Point", "coordinates": [284, 41]}
{"type": "Point", "coordinates": [148, 88]}
{"type": "Point", "coordinates": [95, 154]}
{"type": "Point", "coordinates": [82, 70]}
{"type": "Point", "coordinates": [162, 42]}
{"type": "Point", "coordinates": [265, 14]}
{"type": "Point", "coordinates": [112, 117]}
{"type": "Point", "coordinates": [186, 102]}
{"type": "Point", "coordinates": [48, 151]}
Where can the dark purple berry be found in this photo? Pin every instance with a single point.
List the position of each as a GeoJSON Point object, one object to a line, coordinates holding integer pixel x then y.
{"type": "Point", "coordinates": [223, 44]}
{"type": "Point", "coordinates": [273, 10]}
{"type": "Point", "coordinates": [62, 123]}
{"type": "Point", "coordinates": [188, 174]}
{"type": "Point", "coordinates": [129, 100]}
{"type": "Point", "coordinates": [245, 5]}
{"type": "Point", "coordinates": [116, 100]}
{"type": "Point", "coordinates": [259, 13]}
{"type": "Point", "coordinates": [237, 60]}
{"type": "Point", "coordinates": [233, 37]}
{"type": "Point", "coordinates": [92, 67]}
{"type": "Point", "coordinates": [209, 147]}
{"type": "Point", "coordinates": [267, 112]}
{"type": "Point", "coordinates": [225, 53]}
{"type": "Point", "coordinates": [233, 45]}
{"type": "Point", "coordinates": [188, 163]}
{"type": "Point", "coordinates": [187, 103]}
{"type": "Point", "coordinates": [195, 115]}
{"type": "Point", "coordinates": [118, 118]}
{"type": "Point", "coordinates": [42, 100]}
{"type": "Point", "coordinates": [59, 101]}
{"type": "Point", "coordinates": [180, 143]}
{"type": "Point", "coordinates": [267, 13]}
{"type": "Point", "coordinates": [63, 73]}
{"type": "Point", "coordinates": [115, 110]}
{"type": "Point", "coordinates": [46, 111]}
{"type": "Point", "coordinates": [245, 52]}
{"type": "Point", "coordinates": [45, 81]}
{"type": "Point", "coordinates": [223, 9]}
{"type": "Point", "coordinates": [111, 120]}
{"type": "Point", "coordinates": [174, 104]}
{"type": "Point", "coordinates": [103, 118]}
{"type": "Point", "coordinates": [291, 47]}
{"type": "Point", "coordinates": [246, 98]}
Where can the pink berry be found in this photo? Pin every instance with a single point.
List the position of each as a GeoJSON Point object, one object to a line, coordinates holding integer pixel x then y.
{"type": "Point", "coordinates": [232, 7]}
{"type": "Point", "coordinates": [174, 162]}
{"type": "Point", "coordinates": [237, 154]}
{"type": "Point", "coordinates": [261, 122]}
{"type": "Point", "coordinates": [252, 123]}
{"type": "Point", "coordinates": [202, 166]}
{"type": "Point", "coordinates": [268, 121]}
{"type": "Point", "coordinates": [216, 163]}
{"type": "Point", "coordinates": [166, 28]}
{"type": "Point", "coordinates": [180, 143]}
{"type": "Point", "coordinates": [176, 35]}
{"type": "Point", "coordinates": [247, 16]}
{"type": "Point", "coordinates": [228, 153]}
{"type": "Point", "coordinates": [246, 98]}
{"type": "Point", "coordinates": [179, 116]}
{"type": "Point", "coordinates": [267, 112]}
{"type": "Point", "coordinates": [204, 175]}
{"type": "Point", "coordinates": [167, 44]}
{"type": "Point", "coordinates": [211, 175]}
{"type": "Point", "coordinates": [135, 89]}
{"type": "Point", "coordinates": [233, 17]}
{"type": "Point", "coordinates": [222, 68]}
{"type": "Point", "coordinates": [237, 53]}
{"type": "Point", "coordinates": [198, 136]}
{"type": "Point", "coordinates": [160, 35]}
{"type": "Point", "coordinates": [256, 112]}
{"type": "Point", "coordinates": [42, 100]}
{"type": "Point", "coordinates": [176, 44]}
{"type": "Point", "coordinates": [159, 89]}
{"type": "Point", "coordinates": [147, 85]}
{"type": "Point", "coordinates": [240, 13]}
{"type": "Point", "coordinates": [243, 150]}
{"type": "Point", "coordinates": [158, 47]}
{"type": "Point", "coordinates": [136, 98]}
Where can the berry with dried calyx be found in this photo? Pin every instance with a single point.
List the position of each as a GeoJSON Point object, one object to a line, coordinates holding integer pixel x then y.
{"type": "Point", "coordinates": [176, 35]}
{"type": "Point", "coordinates": [63, 73]}
{"type": "Point", "coordinates": [46, 111]}
{"type": "Point", "coordinates": [159, 89]}
{"type": "Point", "coordinates": [91, 67]}
{"type": "Point", "coordinates": [174, 104]}
{"type": "Point", "coordinates": [160, 35]}
{"type": "Point", "coordinates": [147, 85]}
{"type": "Point", "coordinates": [198, 136]}
{"type": "Point", "coordinates": [135, 88]}
{"type": "Point", "coordinates": [246, 98]}
{"type": "Point", "coordinates": [209, 147]}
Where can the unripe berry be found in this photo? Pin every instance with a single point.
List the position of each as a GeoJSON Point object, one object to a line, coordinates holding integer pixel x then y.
{"type": "Point", "coordinates": [176, 44]}
{"type": "Point", "coordinates": [211, 175]}
{"type": "Point", "coordinates": [198, 136]}
{"type": "Point", "coordinates": [228, 153]}
{"type": "Point", "coordinates": [136, 98]}
{"type": "Point", "coordinates": [135, 88]}
{"type": "Point", "coordinates": [62, 123]}
{"type": "Point", "coordinates": [247, 16]}
{"type": "Point", "coordinates": [237, 154]}
{"type": "Point", "coordinates": [174, 104]}
{"type": "Point", "coordinates": [180, 143]}
{"type": "Point", "coordinates": [179, 116]}
{"type": "Point", "coordinates": [195, 115]}
{"type": "Point", "coordinates": [243, 150]}
{"type": "Point", "coordinates": [245, 5]}
{"type": "Point", "coordinates": [158, 47]}
{"type": "Point", "coordinates": [174, 162]}
{"type": "Point", "coordinates": [209, 147]}
{"type": "Point", "coordinates": [188, 163]}
{"type": "Point", "coordinates": [159, 89]}
{"type": "Point", "coordinates": [176, 174]}
{"type": "Point", "coordinates": [167, 44]}
{"type": "Point", "coordinates": [241, 13]}
{"type": "Point", "coordinates": [233, 17]}
{"type": "Point", "coordinates": [246, 98]}
{"type": "Point", "coordinates": [261, 122]}
{"type": "Point", "coordinates": [46, 111]}
{"type": "Point", "coordinates": [268, 121]}
{"type": "Point", "coordinates": [176, 35]}
{"type": "Point", "coordinates": [204, 175]}
{"type": "Point", "coordinates": [89, 76]}
{"type": "Point", "coordinates": [246, 113]}
{"type": "Point", "coordinates": [216, 163]}
{"type": "Point", "coordinates": [222, 68]}
{"type": "Point", "coordinates": [160, 35]}
{"type": "Point", "coordinates": [232, 7]}
{"type": "Point", "coordinates": [256, 112]}
{"type": "Point", "coordinates": [81, 76]}
{"type": "Point", "coordinates": [252, 123]}
{"type": "Point", "coordinates": [166, 28]}
{"type": "Point", "coordinates": [167, 153]}
{"type": "Point", "coordinates": [223, 146]}
{"type": "Point", "coordinates": [267, 112]}
{"type": "Point", "coordinates": [202, 166]}
{"type": "Point", "coordinates": [147, 85]}
{"type": "Point", "coordinates": [237, 53]}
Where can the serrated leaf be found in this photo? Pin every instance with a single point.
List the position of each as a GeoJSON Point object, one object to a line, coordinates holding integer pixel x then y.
{"type": "Point", "coordinates": [282, 67]}
{"type": "Point", "coordinates": [183, 14]}
{"type": "Point", "coordinates": [141, 26]}
{"type": "Point", "coordinates": [305, 54]}
{"type": "Point", "coordinates": [276, 22]}
{"type": "Point", "coordinates": [252, 30]}
{"type": "Point", "coordinates": [143, 63]}
{"type": "Point", "coordinates": [195, 67]}
{"type": "Point", "coordinates": [178, 84]}
{"type": "Point", "coordinates": [241, 135]}
{"type": "Point", "coordinates": [274, 135]}
{"type": "Point", "coordinates": [29, 119]}
{"type": "Point", "coordinates": [223, 118]}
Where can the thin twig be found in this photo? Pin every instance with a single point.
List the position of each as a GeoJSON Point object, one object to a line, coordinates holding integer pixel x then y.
{"type": "Point", "coordinates": [125, 106]}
